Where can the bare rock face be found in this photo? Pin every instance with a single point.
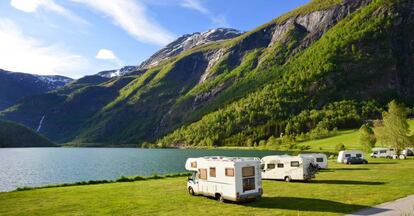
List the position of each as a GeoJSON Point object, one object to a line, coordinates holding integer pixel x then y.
{"type": "Point", "coordinates": [187, 42]}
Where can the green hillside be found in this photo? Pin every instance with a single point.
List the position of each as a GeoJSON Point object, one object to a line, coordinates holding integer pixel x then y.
{"type": "Point", "coordinates": [326, 65]}
{"type": "Point", "coordinates": [16, 135]}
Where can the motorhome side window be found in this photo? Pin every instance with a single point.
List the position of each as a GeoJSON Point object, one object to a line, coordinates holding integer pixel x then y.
{"type": "Point", "coordinates": [359, 155]}
{"type": "Point", "coordinates": [193, 164]}
{"type": "Point", "coordinates": [229, 172]}
{"type": "Point", "coordinates": [212, 172]}
{"type": "Point", "coordinates": [383, 151]}
{"type": "Point", "coordinates": [202, 174]}
{"type": "Point", "coordinates": [319, 160]}
{"type": "Point", "coordinates": [347, 155]}
{"type": "Point", "coordinates": [270, 166]}
{"type": "Point", "coordinates": [294, 164]}
{"type": "Point", "coordinates": [280, 165]}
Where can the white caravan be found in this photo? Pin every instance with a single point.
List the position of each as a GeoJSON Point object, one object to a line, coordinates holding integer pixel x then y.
{"type": "Point", "coordinates": [349, 153]}
{"type": "Point", "coordinates": [320, 159]}
{"type": "Point", "coordinates": [225, 178]}
{"type": "Point", "coordinates": [288, 168]}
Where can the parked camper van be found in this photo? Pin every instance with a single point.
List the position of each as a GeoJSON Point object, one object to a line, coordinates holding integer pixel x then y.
{"type": "Point", "coordinates": [383, 153]}
{"type": "Point", "coordinates": [320, 159]}
{"type": "Point", "coordinates": [349, 153]}
{"type": "Point", "coordinates": [390, 153]}
{"type": "Point", "coordinates": [225, 178]}
{"type": "Point", "coordinates": [288, 168]}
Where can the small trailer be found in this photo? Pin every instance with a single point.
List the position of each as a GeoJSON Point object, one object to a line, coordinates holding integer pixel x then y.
{"type": "Point", "coordinates": [225, 178]}
{"type": "Point", "coordinates": [320, 159]}
{"type": "Point", "coordinates": [343, 155]}
{"type": "Point", "coordinates": [288, 168]}
{"type": "Point", "coordinates": [408, 152]}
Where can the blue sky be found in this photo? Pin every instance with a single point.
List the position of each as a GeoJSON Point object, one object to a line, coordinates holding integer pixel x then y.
{"type": "Point", "coordinates": [82, 37]}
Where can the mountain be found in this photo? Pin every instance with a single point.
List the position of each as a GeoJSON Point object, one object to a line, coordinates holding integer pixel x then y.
{"type": "Point", "coordinates": [328, 64]}
{"type": "Point", "coordinates": [16, 135]}
{"type": "Point", "coordinates": [187, 42]}
{"type": "Point", "coordinates": [14, 86]}
{"type": "Point", "coordinates": [119, 72]}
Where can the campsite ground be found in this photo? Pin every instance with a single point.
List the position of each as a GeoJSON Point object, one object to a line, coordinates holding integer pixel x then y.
{"type": "Point", "coordinates": [341, 189]}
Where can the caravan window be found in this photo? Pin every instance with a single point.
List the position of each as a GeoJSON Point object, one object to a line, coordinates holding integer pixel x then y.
{"type": "Point", "coordinates": [347, 155]}
{"type": "Point", "coordinates": [212, 172]}
{"type": "Point", "coordinates": [202, 174]}
{"type": "Point", "coordinates": [193, 164]}
{"type": "Point", "coordinates": [383, 151]}
{"type": "Point", "coordinates": [248, 171]}
{"type": "Point", "coordinates": [280, 165]}
{"type": "Point", "coordinates": [229, 172]}
{"type": "Point", "coordinates": [294, 164]}
{"type": "Point", "coordinates": [359, 155]}
{"type": "Point", "coordinates": [271, 166]}
{"type": "Point", "coordinates": [319, 160]}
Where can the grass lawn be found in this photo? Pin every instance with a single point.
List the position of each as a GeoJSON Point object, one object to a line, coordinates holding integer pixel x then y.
{"type": "Point", "coordinates": [339, 190]}
{"type": "Point", "coordinates": [350, 138]}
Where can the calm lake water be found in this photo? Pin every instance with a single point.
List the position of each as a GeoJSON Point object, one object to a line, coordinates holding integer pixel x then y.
{"type": "Point", "coordinates": [42, 166]}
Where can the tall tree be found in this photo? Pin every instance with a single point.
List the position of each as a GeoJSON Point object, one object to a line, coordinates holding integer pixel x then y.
{"type": "Point", "coordinates": [367, 137]}
{"type": "Point", "coordinates": [394, 132]}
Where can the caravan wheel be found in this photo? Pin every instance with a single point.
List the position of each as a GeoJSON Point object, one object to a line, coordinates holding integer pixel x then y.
{"type": "Point", "coordinates": [288, 179]}
{"type": "Point", "coordinates": [191, 191]}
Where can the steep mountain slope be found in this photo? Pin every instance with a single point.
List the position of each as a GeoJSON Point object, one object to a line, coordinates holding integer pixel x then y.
{"type": "Point", "coordinates": [14, 86]}
{"type": "Point", "coordinates": [15, 135]}
{"type": "Point", "coordinates": [369, 56]}
{"type": "Point", "coordinates": [330, 63]}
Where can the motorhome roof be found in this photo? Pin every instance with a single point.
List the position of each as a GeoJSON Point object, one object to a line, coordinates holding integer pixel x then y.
{"type": "Point", "coordinates": [230, 159]}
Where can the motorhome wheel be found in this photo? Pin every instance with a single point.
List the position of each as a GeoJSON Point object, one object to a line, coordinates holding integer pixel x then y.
{"type": "Point", "coordinates": [191, 191]}
{"type": "Point", "coordinates": [219, 197]}
{"type": "Point", "coordinates": [288, 179]}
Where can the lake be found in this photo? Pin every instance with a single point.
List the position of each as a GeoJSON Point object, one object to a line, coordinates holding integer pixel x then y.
{"type": "Point", "coordinates": [21, 167]}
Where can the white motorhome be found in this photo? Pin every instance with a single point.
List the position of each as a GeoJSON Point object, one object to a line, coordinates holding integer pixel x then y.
{"type": "Point", "coordinates": [349, 153]}
{"type": "Point", "coordinates": [288, 168]}
{"type": "Point", "coordinates": [225, 178]}
{"type": "Point", "coordinates": [320, 159]}
{"type": "Point", "coordinates": [383, 153]}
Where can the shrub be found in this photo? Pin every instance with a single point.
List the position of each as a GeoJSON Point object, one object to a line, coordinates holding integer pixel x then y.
{"type": "Point", "coordinates": [340, 147]}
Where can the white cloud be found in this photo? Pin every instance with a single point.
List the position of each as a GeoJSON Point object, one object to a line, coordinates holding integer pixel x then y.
{"type": "Point", "coordinates": [106, 54]}
{"type": "Point", "coordinates": [195, 5]}
{"type": "Point", "coordinates": [132, 17]}
{"type": "Point", "coordinates": [218, 20]}
{"type": "Point", "coordinates": [26, 54]}
{"type": "Point", "coordinates": [31, 6]}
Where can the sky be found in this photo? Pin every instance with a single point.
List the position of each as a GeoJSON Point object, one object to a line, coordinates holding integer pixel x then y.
{"type": "Point", "coordinates": [75, 38]}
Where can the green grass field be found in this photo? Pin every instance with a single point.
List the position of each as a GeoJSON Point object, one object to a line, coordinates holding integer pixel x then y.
{"type": "Point", "coordinates": [350, 138]}
{"type": "Point", "coordinates": [339, 190]}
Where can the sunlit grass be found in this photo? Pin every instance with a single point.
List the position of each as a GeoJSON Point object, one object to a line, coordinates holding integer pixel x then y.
{"type": "Point", "coordinates": [339, 190]}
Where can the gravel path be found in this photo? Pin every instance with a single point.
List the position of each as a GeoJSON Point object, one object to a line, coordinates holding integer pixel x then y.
{"type": "Point", "coordinates": [400, 207]}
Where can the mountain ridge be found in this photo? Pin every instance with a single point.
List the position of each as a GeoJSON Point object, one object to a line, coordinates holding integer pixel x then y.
{"type": "Point", "coordinates": [295, 74]}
